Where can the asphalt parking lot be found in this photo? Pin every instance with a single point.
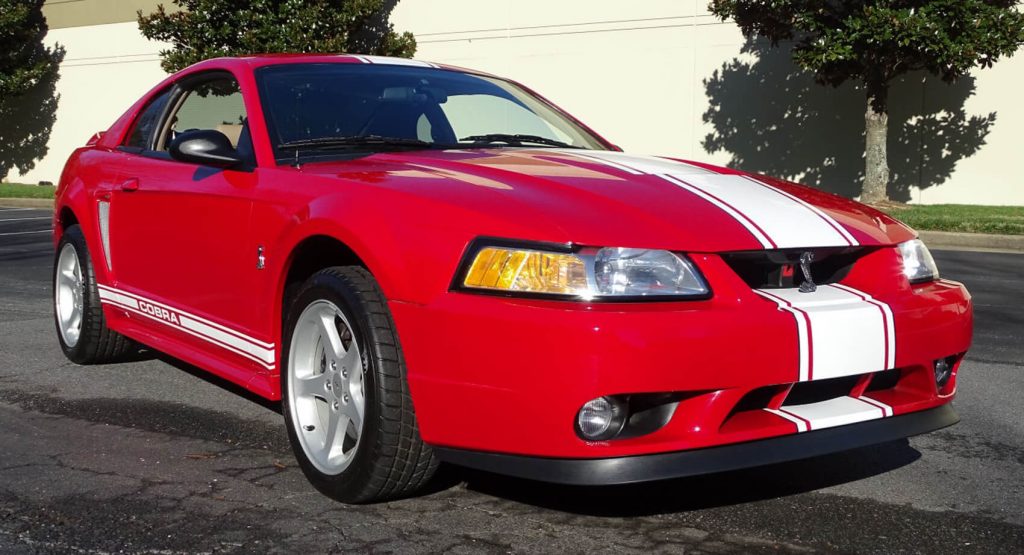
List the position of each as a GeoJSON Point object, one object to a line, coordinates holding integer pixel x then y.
{"type": "Point", "coordinates": [153, 455]}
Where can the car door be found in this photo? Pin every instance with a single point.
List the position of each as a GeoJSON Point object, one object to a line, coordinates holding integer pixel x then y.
{"type": "Point", "coordinates": [179, 228]}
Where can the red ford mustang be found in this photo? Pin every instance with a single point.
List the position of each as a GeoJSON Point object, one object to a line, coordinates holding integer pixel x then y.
{"type": "Point", "coordinates": [431, 264]}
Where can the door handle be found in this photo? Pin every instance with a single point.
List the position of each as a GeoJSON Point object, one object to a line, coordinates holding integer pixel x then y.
{"type": "Point", "coordinates": [130, 185]}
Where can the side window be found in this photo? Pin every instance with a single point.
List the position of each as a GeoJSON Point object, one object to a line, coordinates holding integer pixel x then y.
{"type": "Point", "coordinates": [214, 104]}
{"type": "Point", "coordinates": [142, 132]}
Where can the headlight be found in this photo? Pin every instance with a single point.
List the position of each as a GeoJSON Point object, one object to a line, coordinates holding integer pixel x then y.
{"type": "Point", "coordinates": [581, 274]}
{"type": "Point", "coordinates": [918, 264]}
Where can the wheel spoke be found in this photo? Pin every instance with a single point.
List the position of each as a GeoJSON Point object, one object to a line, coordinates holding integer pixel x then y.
{"type": "Point", "coordinates": [329, 332]}
{"type": "Point", "coordinates": [353, 412]}
{"type": "Point", "coordinates": [351, 360]}
{"type": "Point", "coordinates": [312, 386]}
{"type": "Point", "coordinates": [331, 435]}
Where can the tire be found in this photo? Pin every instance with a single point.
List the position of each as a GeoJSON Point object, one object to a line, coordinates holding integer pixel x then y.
{"type": "Point", "coordinates": [373, 456]}
{"type": "Point", "coordinates": [75, 294]}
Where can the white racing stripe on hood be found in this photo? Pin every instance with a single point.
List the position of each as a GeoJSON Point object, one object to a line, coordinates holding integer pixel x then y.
{"type": "Point", "coordinates": [640, 165]}
{"type": "Point", "coordinates": [777, 219]}
{"type": "Point", "coordinates": [788, 222]}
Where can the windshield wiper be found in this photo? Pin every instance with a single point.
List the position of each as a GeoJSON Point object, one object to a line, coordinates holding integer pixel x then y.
{"type": "Point", "coordinates": [323, 143]}
{"type": "Point", "coordinates": [516, 139]}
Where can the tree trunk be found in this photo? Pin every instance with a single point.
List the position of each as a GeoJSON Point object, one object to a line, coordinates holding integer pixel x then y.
{"type": "Point", "coordinates": [876, 160]}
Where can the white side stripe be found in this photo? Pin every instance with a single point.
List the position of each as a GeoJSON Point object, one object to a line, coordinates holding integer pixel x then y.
{"type": "Point", "coordinates": [231, 340]}
{"type": "Point", "coordinates": [193, 316]}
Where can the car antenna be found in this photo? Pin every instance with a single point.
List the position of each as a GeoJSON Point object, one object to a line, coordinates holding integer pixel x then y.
{"type": "Point", "coordinates": [297, 164]}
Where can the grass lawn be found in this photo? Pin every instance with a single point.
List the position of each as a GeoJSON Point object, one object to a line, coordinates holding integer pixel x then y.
{"type": "Point", "coordinates": [1006, 220]}
{"type": "Point", "coordinates": [14, 190]}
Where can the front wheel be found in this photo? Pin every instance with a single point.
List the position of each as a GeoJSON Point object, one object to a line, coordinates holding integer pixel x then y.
{"type": "Point", "coordinates": [81, 327]}
{"type": "Point", "coordinates": [345, 398]}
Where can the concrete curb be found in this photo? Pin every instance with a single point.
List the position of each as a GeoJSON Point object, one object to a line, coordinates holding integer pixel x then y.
{"type": "Point", "coordinates": [972, 241]}
{"type": "Point", "coordinates": [26, 203]}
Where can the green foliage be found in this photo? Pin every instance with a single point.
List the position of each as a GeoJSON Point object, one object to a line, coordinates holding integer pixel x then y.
{"type": "Point", "coordinates": [203, 29]}
{"type": "Point", "coordinates": [16, 190]}
{"type": "Point", "coordinates": [25, 61]}
{"type": "Point", "coordinates": [1006, 220]}
{"type": "Point", "coordinates": [875, 41]}
{"type": "Point", "coordinates": [28, 79]}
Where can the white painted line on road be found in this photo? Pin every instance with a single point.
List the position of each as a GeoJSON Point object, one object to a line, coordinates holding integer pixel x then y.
{"type": "Point", "coordinates": [16, 209]}
{"type": "Point", "coordinates": [27, 232]}
{"type": "Point", "coordinates": [23, 219]}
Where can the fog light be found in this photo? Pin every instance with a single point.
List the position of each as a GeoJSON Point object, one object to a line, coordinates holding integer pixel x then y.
{"type": "Point", "coordinates": [943, 371]}
{"type": "Point", "coordinates": [600, 419]}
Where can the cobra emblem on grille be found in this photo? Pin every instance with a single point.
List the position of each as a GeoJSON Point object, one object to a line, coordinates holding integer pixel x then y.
{"type": "Point", "coordinates": [808, 285]}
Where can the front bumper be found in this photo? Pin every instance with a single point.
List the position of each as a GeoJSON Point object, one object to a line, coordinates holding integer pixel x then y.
{"type": "Point", "coordinates": [499, 375]}
{"type": "Point", "coordinates": [680, 464]}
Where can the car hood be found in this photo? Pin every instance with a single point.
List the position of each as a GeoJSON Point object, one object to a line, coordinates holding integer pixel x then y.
{"type": "Point", "coordinates": [602, 198]}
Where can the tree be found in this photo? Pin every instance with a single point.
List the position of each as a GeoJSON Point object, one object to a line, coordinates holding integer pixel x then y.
{"type": "Point", "coordinates": [28, 73]}
{"type": "Point", "coordinates": [202, 29]}
{"type": "Point", "coordinates": [876, 41]}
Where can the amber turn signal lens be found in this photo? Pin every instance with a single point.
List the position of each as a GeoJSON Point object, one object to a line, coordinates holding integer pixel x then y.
{"type": "Point", "coordinates": [527, 271]}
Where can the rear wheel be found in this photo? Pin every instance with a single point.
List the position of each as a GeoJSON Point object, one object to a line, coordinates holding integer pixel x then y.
{"type": "Point", "coordinates": [345, 397]}
{"type": "Point", "coordinates": [81, 327]}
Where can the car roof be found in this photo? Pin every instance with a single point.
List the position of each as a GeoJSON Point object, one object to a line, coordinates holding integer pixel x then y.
{"type": "Point", "coordinates": [261, 60]}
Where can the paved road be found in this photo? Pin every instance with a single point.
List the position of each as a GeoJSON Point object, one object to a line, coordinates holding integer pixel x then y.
{"type": "Point", "coordinates": [154, 455]}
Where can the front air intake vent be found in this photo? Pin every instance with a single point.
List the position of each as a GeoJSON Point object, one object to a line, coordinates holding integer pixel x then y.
{"type": "Point", "coordinates": [776, 269]}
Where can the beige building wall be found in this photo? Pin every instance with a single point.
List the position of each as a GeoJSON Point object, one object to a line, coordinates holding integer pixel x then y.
{"type": "Point", "coordinates": [642, 73]}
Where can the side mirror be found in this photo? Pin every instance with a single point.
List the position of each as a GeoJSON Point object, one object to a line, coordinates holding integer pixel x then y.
{"type": "Point", "coordinates": [207, 147]}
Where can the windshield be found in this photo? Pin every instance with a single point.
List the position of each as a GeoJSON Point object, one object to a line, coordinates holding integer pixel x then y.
{"type": "Point", "coordinates": [374, 107]}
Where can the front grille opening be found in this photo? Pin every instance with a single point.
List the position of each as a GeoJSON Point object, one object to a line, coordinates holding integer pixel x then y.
{"type": "Point", "coordinates": [778, 269]}
{"type": "Point", "coordinates": [887, 379]}
{"type": "Point", "coordinates": [758, 399]}
{"type": "Point", "coordinates": [804, 393]}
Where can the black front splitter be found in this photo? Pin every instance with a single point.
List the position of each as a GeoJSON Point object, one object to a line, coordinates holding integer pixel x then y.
{"type": "Point", "coordinates": [678, 464]}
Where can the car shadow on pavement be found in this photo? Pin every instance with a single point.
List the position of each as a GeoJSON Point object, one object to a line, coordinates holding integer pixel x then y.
{"type": "Point", "coordinates": [146, 354]}
{"type": "Point", "coordinates": [663, 497]}
{"type": "Point", "coordinates": [700, 492]}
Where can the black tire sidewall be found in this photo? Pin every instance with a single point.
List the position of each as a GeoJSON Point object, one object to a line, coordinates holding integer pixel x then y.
{"type": "Point", "coordinates": [348, 485]}
{"type": "Point", "coordinates": [80, 352]}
